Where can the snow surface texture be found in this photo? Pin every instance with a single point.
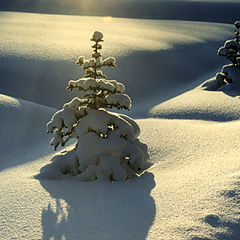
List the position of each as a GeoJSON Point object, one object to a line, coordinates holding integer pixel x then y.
{"type": "Point", "coordinates": [23, 131]}
{"type": "Point", "coordinates": [192, 190]}
{"type": "Point", "coordinates": [192, 193]}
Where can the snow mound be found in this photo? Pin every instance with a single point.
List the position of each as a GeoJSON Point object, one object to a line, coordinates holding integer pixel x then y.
{"type": "Point", "coordinates": [108, 148]}
{"type": "Point", "coordinates": [201, 104]}
{"type": "Point", "coordinates": [22, 130]}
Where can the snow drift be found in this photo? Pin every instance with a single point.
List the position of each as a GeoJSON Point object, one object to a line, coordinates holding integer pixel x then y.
{"type": "Point", "coordinates": [23, 131]}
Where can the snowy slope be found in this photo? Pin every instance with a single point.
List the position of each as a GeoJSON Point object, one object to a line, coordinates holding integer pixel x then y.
{"type": "Point", "coordinates": [201, 104]}
{"type": "Point", "coordinates": [197, 179]}
{"type": "Point", "coordinates": [23, 131]}
{"type": "Point", "coordinates": [190, 192]}
{"type": "Point", "coordinates": [148, 53]}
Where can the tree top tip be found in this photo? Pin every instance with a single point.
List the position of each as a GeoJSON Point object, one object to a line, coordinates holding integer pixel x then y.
{"type": "Point", "coordinates": [237, 24]}
{"type": "Point", "coordinates": [97, 36]}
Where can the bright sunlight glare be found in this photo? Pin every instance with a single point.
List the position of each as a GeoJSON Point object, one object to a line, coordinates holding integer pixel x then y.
{"type": "Point", "coordinates": [107, 19]}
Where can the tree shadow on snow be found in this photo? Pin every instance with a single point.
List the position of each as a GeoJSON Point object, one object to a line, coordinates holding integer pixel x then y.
{"type": "Point", "coordinates": [99, 210]}
{"type": "Point", "coordinates": [232, 230]}
{"type": "Point", "coordinates": [231, 90]}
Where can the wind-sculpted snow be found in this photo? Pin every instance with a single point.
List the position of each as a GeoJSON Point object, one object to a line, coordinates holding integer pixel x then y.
{"type": "Point", "coordinates": [200, 104]}
{"type": "Point", "coordinates": [22, 131]}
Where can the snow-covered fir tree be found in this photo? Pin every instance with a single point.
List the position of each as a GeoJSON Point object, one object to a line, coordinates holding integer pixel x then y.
{"type": "Point", "coordinates": [230, 74]}
{"type": "Point", "coordinates": [107, 145]}
{"type": "Point", "coordinates": [231, 48]}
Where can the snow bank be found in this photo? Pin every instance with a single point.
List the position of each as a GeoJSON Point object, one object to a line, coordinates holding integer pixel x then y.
{"type": "Point", "coordinates": [108, 148]}
{"type": "Point", "coordinates": [201, 104]}
{"type": "Point", "coordinates": [22, 131]}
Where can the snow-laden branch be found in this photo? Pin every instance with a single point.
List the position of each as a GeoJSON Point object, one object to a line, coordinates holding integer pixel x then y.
{"type": "Point", "coordinates": [119, 100]}
{"type": "Point", "coordinates": [85, 84]}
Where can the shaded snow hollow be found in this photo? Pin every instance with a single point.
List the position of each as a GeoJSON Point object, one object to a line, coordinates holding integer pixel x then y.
{"type": "Point", "coordinates": [191, 192]}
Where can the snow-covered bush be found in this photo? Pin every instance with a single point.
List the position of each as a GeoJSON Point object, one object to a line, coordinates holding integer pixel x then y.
{"type": "Point", "coordinates": [231, 48]}
{"type": "Point", "coordinates": [230, 74]}
{"type": "Point", "coordinates": [107, 146]}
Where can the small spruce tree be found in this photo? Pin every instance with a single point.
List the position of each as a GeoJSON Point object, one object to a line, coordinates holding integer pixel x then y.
{"type": "Point", "coordinates": [231, 50]}
{"type": "Point", "coordinates": [107, 145]}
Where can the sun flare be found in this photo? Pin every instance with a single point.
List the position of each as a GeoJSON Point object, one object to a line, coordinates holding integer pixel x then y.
{"type": "Point", "coordinates": [107, 19]}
